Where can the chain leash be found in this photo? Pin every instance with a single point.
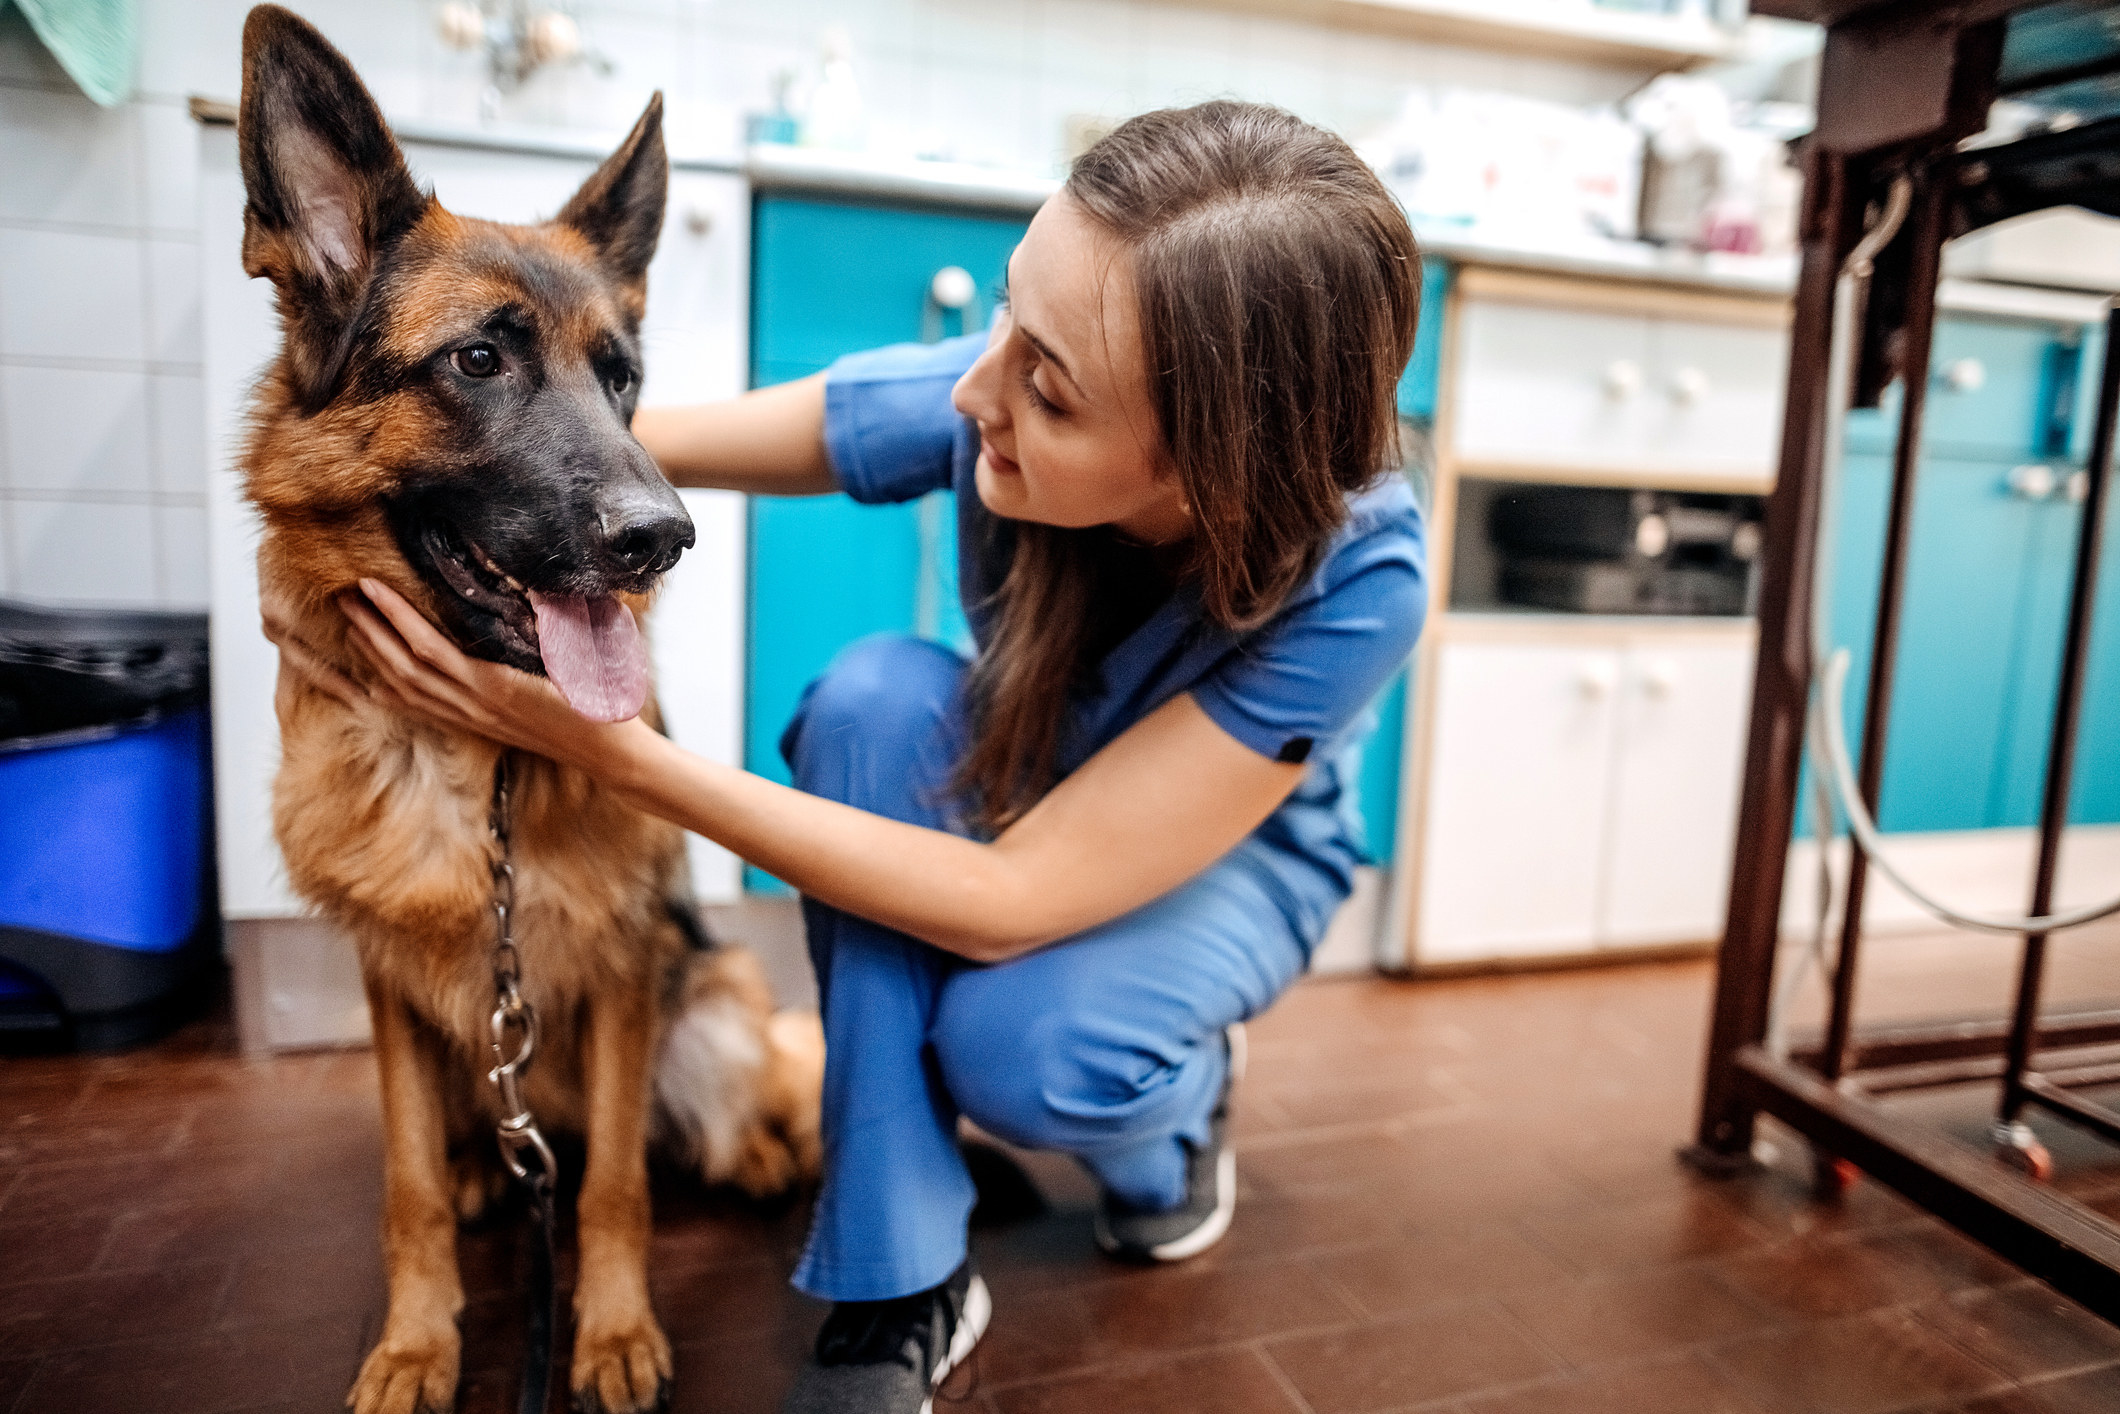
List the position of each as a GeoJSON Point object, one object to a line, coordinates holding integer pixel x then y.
{"type": "Point", "coordinates": [523, 1147]}
{"type": "Point", "coordinates": [514, 1020]}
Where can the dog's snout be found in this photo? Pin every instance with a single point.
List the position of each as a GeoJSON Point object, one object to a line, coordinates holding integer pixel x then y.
{"type": "Point", "coordinates": [648, 542]}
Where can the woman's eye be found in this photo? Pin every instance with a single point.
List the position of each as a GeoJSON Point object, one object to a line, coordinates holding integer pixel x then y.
{"type": "Point", "coordinates": [478, 361]}
{"type": "Point", "coordinates": [1037, 398]}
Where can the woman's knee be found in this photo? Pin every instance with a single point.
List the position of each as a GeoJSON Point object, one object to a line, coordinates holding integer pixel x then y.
{"type": "Point", "coordinates": [1048, 1082]}
{"type": "Point", "coordinates": [885, 693]}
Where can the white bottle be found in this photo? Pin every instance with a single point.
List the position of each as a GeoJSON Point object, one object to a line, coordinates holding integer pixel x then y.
{"type": "Point", "coordinates": [835, 118]}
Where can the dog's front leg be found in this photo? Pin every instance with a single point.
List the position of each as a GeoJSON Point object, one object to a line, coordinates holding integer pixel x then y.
{"type": "Point", "coordinates": [414, 1366]}
{"type": "Point", "coordinates": [621, 1358]}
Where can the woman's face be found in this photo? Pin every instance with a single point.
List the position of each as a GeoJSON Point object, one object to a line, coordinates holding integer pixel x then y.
{"type": "Point", "coordinates": [1067, 434]}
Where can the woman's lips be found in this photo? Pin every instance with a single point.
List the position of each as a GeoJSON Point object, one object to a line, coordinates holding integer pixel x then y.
{"type": "Point", "coordinates": [1001, 464]}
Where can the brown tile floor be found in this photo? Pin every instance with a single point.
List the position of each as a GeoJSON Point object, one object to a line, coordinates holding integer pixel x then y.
{"type": "Point", "coordinates": [1457, 1197]}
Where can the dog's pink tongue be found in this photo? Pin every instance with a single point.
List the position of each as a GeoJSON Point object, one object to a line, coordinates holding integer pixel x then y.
{"type": "Point", "coordinates": [594, 653]}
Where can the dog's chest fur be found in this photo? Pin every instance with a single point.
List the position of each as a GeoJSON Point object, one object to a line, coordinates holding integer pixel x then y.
{"type": "Point", "coordinates": [384, 824]}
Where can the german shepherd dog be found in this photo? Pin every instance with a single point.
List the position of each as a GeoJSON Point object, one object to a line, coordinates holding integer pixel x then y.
{"type": "Point", "coordinates": [450, 413]}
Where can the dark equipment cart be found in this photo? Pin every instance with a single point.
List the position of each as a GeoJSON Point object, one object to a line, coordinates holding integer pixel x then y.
{"type": "Point", "coordinates": [1903, 88]}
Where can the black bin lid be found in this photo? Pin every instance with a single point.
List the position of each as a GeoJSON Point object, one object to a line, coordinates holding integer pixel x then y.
{"type": "Point", "coordinates": [64, 670]}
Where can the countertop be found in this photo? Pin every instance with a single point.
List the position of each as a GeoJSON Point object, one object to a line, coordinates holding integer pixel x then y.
{"type": "Point", "coordinates": [778, 167]}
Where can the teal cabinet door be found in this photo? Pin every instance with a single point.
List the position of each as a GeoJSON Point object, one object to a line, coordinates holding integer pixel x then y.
{"type": "Point", "coordinates": [2095, 799]}
{"type": "Point", "coordinates": [831, 278]}
{"type": "Point", "coordinates": [1952, 753]}
{"type": "Point", "coordinates": [1987, 584]}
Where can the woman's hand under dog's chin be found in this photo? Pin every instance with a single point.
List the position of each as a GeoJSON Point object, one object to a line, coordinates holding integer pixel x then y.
{"type": "Point", "coordinates": [421, 673]}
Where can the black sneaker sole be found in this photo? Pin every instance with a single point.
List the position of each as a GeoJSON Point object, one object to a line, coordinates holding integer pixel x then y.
{"type": "Point", "coordinates": [1212, 1229]}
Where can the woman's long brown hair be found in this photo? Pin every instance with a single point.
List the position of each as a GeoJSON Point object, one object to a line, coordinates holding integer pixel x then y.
{"type": "Point", "coordinates": [1279, 286]}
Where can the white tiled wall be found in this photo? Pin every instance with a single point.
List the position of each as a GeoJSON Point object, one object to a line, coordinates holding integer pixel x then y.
{"type": "Point", "coordinates": [102, 442]}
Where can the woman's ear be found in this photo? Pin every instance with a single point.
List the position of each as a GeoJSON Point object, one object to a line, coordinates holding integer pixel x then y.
{"type": "Point", "coordinates": [327, 186]}
{"type": "Point", "coordinates": [620, 207]}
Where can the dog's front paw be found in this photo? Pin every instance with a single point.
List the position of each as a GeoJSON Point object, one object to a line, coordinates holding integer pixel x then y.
{"type": "Point", "coordinates": [402, 1376]}
{"type": "Point", "coordinates": [621, 1370]}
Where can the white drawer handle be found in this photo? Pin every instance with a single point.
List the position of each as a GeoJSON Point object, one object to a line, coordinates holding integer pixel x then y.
{"type": "Point", "coordinates": [1965, 375]}
{"type": "Point", "coordinates": [699, 221]}
{"type": "Point", "coordinates": [1660, 678]}
{"type": "Point", "coordinates": [1595, 680]}
{"type": "Point", "coordinates": [2078, 486]}
{"type": "Point", "coordinates": [2032, 482]}
{"type": "Point", "coordinates": [1689, 386]}
{"type": "Point", "coordinates": [1623, 379]}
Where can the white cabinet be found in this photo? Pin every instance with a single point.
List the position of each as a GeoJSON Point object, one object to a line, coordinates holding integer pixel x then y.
{"type": "Point", "coordinates": [1572, 391]}
{"type": "Point", "coordinates": [1581, 790]}
{"type": "Point", "coordinates": [1516, 801]}
{"type": "Point", "coordinates": [1678, 757]}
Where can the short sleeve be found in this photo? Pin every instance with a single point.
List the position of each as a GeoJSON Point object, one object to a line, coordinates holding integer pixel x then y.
{"type": "Point", "coordinates": [1299, 683]}
{"type": "Point", "coordinates": [888, 423]}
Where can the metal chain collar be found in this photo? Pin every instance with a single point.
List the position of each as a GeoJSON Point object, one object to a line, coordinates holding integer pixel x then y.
{"type": "Point", "coordinates": [514, 1019]}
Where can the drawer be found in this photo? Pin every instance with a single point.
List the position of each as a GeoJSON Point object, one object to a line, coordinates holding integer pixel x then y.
{"type": "Point", "coordinates": [1601, 392]}
{"type": "Point", "coordinates": [1540, 386]}
{"type": "Point", "coordinates": [1714, 404]}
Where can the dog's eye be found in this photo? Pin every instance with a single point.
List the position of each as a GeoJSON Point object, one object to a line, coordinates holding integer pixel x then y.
{"type": "Point", "coordinates": [478, 361]}
{"type": "Point", "coordinates": [621, 380]}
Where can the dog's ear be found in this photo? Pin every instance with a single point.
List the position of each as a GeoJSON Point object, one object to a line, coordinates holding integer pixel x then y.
{"type": "Point", "coordinates": [620, 207]}
{"type": "Point", "coordinates": [328, 187]}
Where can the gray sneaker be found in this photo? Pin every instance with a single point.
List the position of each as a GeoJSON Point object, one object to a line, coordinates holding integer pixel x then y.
{"type": "Point", "coordinates": [889, 1357]}
{"type": "Point", "coordinates": [1140, 1235]}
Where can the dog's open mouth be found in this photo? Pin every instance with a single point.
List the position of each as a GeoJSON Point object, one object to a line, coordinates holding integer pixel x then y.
{"type": "Point", "coordinates": [589, 644]}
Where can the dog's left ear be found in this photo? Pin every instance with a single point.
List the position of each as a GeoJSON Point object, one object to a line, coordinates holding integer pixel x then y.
{"type": "Point", "coordinates": [620, 207]}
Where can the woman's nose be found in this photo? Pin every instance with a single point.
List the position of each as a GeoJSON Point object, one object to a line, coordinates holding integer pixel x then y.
{"type": "Point", "coordinates": [978, 393]}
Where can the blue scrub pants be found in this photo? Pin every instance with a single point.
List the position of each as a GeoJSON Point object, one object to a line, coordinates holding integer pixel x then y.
{"type": "Point", "coordinates": [1106, 1046]}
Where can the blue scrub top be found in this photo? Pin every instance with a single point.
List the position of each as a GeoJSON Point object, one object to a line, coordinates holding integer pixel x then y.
{"type": "Point", "coordinates": [1296, 688]}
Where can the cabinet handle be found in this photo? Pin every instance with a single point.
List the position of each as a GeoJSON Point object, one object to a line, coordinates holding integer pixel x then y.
{"type": "Point", "coordinates": [1623, 379]}
{"type": "Point", "coordinates": [1689, 386]}
{"type": "Point", "coordinates": [1595, 680]}
{"type": "Point", "coordinates": [2032, 482]}
{"type": "Point", "coordinates": [2078, 487]}
{"type": "Point", "coordinates": [698, 220]}
{"type": "Point", "coordinates": [1660, 678]}
{"type": "Point", "coordinates": [952, 287]}
{"type": "Point", "coordinates": [1965, 375]}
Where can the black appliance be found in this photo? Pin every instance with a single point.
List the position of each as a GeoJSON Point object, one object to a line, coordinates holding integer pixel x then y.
{"type": "Point", "coordinates": [1611, 550]}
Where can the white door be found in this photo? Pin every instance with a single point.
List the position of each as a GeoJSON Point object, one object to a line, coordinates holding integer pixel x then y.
{"type": "Point", "coordinates": [1679, 757]}
{"type": "Point", "coordinates": [1519, 778]}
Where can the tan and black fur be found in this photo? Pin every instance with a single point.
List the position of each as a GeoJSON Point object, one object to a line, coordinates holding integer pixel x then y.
{"type": "Point", "coordinates": [372, 452]}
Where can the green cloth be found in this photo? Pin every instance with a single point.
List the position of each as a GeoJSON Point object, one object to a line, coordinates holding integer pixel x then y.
{"type": "Point", "coordinates": [95, 41]}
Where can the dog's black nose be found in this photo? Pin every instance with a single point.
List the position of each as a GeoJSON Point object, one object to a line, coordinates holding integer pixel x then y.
{"type": "Point", "coordinates": [649, 543]}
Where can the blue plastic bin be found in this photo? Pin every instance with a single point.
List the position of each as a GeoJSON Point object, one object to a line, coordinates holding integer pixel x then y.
{"type": "Point", "coordinates": [107, 908]}
{"type": "Point", "coordinates": [104, 881]}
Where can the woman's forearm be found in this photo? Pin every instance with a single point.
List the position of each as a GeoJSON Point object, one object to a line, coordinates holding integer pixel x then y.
{"type": "Point", "coordinates": [769, 442]}
{"type": "Point", "coordinates": [1171, 795]}
{"type": "Point", "coordinates": [960, 895]}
